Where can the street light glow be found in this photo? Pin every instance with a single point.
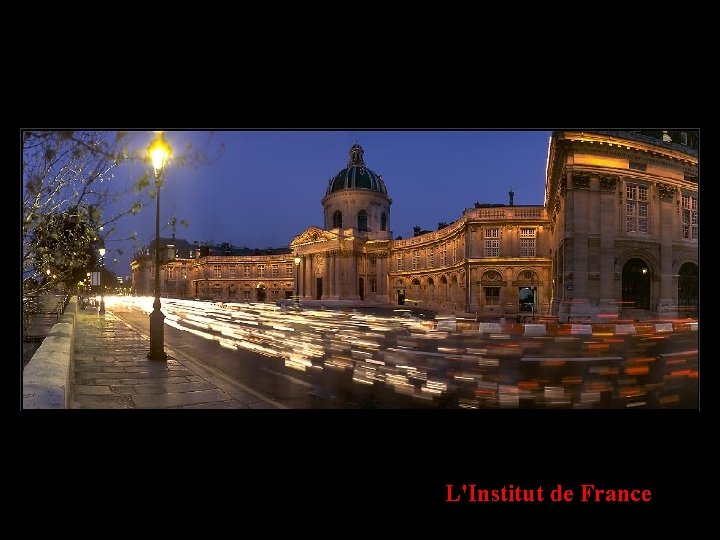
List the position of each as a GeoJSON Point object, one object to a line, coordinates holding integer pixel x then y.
{"type": "Point", "coordinates": [159, 152]}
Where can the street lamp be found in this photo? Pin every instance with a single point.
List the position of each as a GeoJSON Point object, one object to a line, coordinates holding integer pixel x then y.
{"type": "Point", "coordinates": [101, 309]}
{"type": "Point", "coordinates": [159, 152]}
{"type": "Point", "coordinates": [297, 278]}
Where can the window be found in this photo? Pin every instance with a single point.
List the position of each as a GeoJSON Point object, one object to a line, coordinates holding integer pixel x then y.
{"type": "Point", "coordinates": [246, 295]}
{"type": "Point", "coordinates": [171, 272]}
{"type": "Point", "coordinates": [636, 208]}
{"type": "Point", "coordinates": [362, 221]}
{"type": "Point", "coordinates": [454, 251]}
{"type": "Point", "coordinates": [261, 270]}
{"type": "Point", "coordinates": [689, 217]}
{"type": "Point", "coordinates": [443, 254]}
{"type": "Point", "coordinates": [492, 296]}
{"type": "Point", "coordinates": [492, 242]}
{"type": "Point", "coordinates": [288, 270]}
{"type": "Point", "coordinates": [373, 284]}
{"type": "Point", "coordinates": [373, 262]}
{"type": "Point", "coordinates": [431, 258]}
{"type": "Point", "coordinates": [415, 260]}
{"type": "Point", "coordinates": [637, 166]}
{"type": "Point", "coordinates": [218, 270]}
{"type": "Point", "coordinates": [246, 270]}
{"type": "Point", "coordinates": [275, 293]}
{"type": "Point", "coordinates": [275, 270]}
{"type": "Point", "coordinates": [337, 220]}
{"type": "Point", "coordinates": [232, 271]}
{"type": "Point", "coordinates": [399, 261]}
{"type": "Point", "coordinates": [527, 242]}
{"type": "Point", "coordinates": [383, 222]}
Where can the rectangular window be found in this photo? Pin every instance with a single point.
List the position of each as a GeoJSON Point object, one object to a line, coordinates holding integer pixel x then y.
{"type": "Point", "coordinates": [492, 296]}
{"type": "Point", "coordinates": [527, 242]}
{"type": "Point", "coordinates": [171, 272]}
{"type": "Point", "coordinates": [492, 242]}
{"type": "Point", "coordinates": [261, 270]}
{"type": "Point", "coordinates": [373, 284]}
{"type": "Point", "coordinates": [288, 270]}
{"type": "Point", "coordinates": [275, 270]}
{"type": "Point", "coordinates": [636, 208]}
{"type": "Point", "coordinates": [232, 271]}
{"type": "Point", "coordinates": [689, 217]}
{"type": "Point", "coordinates": [443, 255]}
{"type": "Point", "coordinates": [218, 270]}
{"type": "Point", "coordinates": [246, 270]}
{"type": "Point", "coordinates": [431, 258]}
{"type": "Point", "coordinates": [246, 295]}
{"type": "Point", "coordinates": [415, 260]}
{"type": "Point", "coordinates": [399, 261]}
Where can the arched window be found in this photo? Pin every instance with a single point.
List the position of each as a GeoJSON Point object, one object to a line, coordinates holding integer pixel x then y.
{"type": "Point", "coordinates": [383, 222]}
{"type": "Point", "coordinates": [362, 220]}
{"type": "Point", "coordinates": [337, 220]}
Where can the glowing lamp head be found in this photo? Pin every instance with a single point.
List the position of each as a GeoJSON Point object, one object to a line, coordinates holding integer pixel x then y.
{"type": "Point", "coordinates": [159, 152]}
{"type": "Point", "coordinates": [297, 259]}
{"type": "Point", "coordinates": [102, 252]}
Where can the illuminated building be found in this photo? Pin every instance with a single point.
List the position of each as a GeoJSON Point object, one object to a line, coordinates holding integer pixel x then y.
{"type": "Point", "coordinates": [617, 234]}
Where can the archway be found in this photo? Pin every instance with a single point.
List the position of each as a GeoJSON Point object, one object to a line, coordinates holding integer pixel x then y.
{"type": "Point", "coordinates": [636, 284]}
{"type": "Point", "coordinates": [415, 291]}
{"type": "Point", "coordinates": [444, 287]}
{"type": "Point", "coordinates": [261, 293]}
{"type": "Point", "coordinates": [688, 293]}
{"type": "Point", "coordinates": [400, 291]}
{"type": "Point", "coordinates": [431, 289]}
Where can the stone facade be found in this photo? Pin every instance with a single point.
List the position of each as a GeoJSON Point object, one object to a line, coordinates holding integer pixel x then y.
{"type": "Point", "coordinates": [617, 234]}
{"type": "Point", "coordinates": [624, 214]}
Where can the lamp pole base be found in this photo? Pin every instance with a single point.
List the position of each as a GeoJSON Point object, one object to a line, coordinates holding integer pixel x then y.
{"type": "Point", "coordinates": [157, 335]}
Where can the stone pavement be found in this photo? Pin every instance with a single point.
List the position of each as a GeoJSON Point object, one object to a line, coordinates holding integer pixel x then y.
{"type": "Point", "coordinates": [110, 371]}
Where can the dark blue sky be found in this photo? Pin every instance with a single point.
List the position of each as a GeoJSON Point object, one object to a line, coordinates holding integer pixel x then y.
{"type": "Point", "coordinates": [266, 187]}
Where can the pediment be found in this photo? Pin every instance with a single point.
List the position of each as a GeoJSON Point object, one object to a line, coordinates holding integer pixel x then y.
{"type": "Point", "coordinates": [312, 235]}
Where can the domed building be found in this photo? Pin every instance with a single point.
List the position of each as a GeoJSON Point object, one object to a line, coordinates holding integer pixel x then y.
{"type": "Point", "coordinates": [346, 261]}
{"type": "Point", "coordinates": [617, 235]}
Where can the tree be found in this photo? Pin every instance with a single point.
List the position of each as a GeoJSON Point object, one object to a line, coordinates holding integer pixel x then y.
{"type": "Point", "coordinates": [72, 200]}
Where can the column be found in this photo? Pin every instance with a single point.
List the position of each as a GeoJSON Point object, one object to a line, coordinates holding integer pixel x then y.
{"type": "Point", "coordinates": [608, 209]}
{"type": "Point", "coordinates": [667, 302]}
{"type": "Point", "coordinates": [353, 277]}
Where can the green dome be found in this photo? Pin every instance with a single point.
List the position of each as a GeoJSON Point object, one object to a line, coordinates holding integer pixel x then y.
{"type": "Point", "coordinates": [356, 175]}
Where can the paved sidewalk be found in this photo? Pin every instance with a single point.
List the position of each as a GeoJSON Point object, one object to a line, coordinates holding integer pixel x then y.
{"type": "Point", "coordinates": [111, 371]}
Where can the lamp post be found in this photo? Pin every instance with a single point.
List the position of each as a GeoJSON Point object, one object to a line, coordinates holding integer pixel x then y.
{"type": "Point", "coordinates": [297, 279]}
{"type": "Point", "coordinates": [101, 309]}
{"type": "Point", "coordinates": [159, 152]}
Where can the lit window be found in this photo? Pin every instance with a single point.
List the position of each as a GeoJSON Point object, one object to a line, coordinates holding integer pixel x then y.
{"type": "Point", "coordinates": [689, 217]}
{"type": "Point", "coordinates": [218, 270]}
{"type": "Point", "coordinates": [171, 272]}
{"type": "Point", "coordinates": [527, 242]}
{"type": "Point", "coordinates": [443, 254]}
{"type": "Point", "coordinates": [232, 271]}
{"type": "Point", "coordinates": [399, 261]}
{"type": "Point", "coordinates": [636, 208]}
{"type": "Point", "coordinates": [246, 270]}
{"type": "Point", "coordinates": [373, 285]}
{"type": "Point", "coordinates": [415, 260]}
{"type": "Point", "coordinates": [288, 270]}
{"type": "Point", "coordinates": [261, 270]}
{"type": "Point", "coordinates": [492, 242]}
{"type": "Point", "coordinates": [431, 258]}
{"type": "Point", "coordinates": [275, 270]}
{"type": "Point", "coordinates": [492, 296]}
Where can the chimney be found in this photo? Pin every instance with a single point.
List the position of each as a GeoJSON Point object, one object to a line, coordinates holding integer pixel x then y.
{"type": "Point", "coordinates": [512, 196]}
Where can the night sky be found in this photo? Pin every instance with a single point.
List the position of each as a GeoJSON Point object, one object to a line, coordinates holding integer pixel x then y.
{"type": "Point", "coordinates": [266, 186]}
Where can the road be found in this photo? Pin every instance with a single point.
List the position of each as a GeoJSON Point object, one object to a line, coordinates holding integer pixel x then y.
{"type": "Point", "coordinates": [349, 359]}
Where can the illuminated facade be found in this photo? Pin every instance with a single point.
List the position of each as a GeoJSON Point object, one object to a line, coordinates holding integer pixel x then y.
{"type": "Point", "coordinates": [624, 211]}
{"type": "Point", "coordinates": [618, 231]}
